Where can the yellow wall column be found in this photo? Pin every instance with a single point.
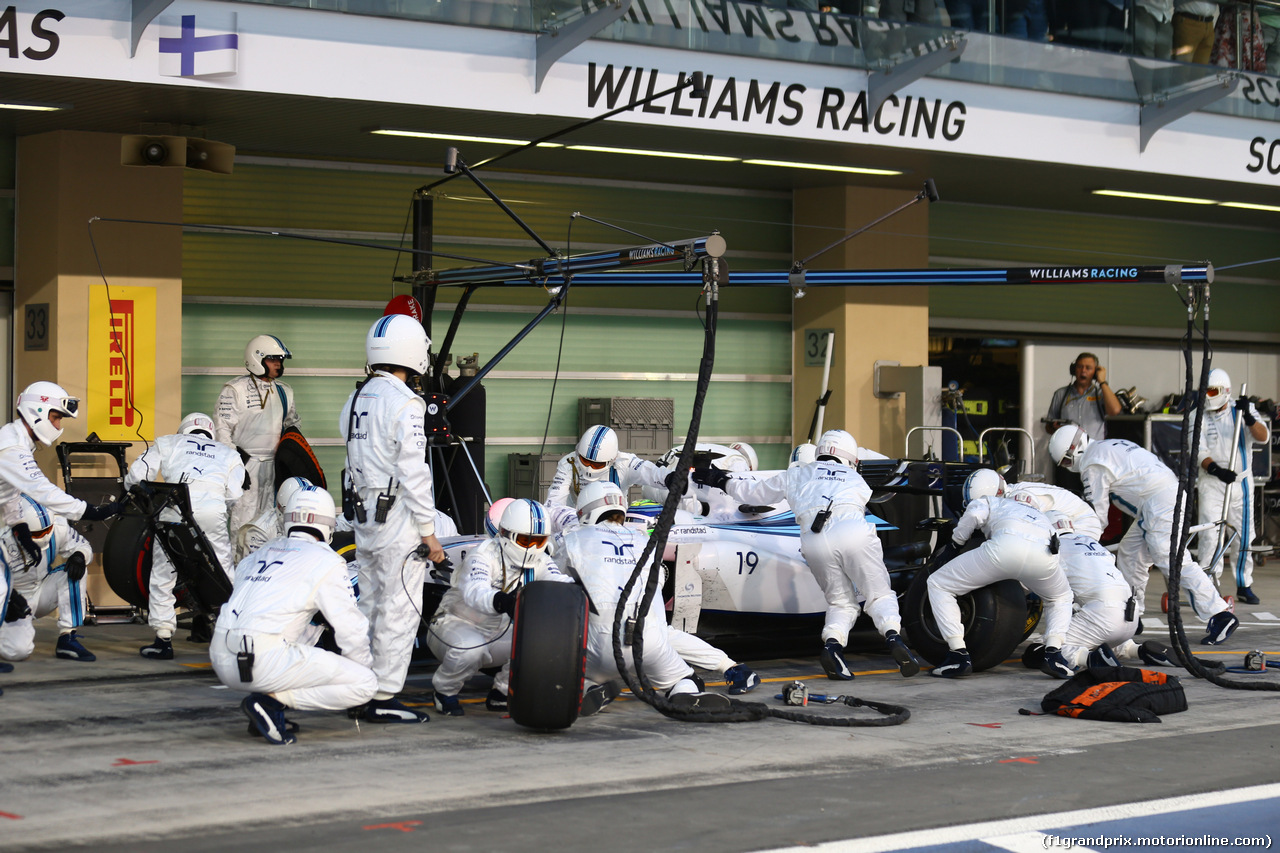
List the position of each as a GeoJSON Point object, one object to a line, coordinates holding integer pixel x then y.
{"type": "Point", "coordinates": [65, 178]}
{"type": "Point", "coordinates": [870, 323]}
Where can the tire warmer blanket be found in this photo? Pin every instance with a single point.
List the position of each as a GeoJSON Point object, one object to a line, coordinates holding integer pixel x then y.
{"type": "Point", "coordinates": [294, 458]}
{"type": "Point", "coordinates": [1117, 694]}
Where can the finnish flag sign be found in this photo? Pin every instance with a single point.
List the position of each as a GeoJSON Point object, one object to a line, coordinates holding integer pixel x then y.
{"type": "Point", "coordinates": [208, 49]}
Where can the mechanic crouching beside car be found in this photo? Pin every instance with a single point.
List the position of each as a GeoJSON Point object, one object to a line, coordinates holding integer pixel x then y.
{"type": "Point", "coordinates": [829, 498]}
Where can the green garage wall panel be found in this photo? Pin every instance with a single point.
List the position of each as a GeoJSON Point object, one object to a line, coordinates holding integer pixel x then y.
{"type": "Point", "coordinates": [1027, 238]}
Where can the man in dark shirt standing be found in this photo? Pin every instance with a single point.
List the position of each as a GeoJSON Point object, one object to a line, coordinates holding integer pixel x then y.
{"type": "Point", "coordinates": [1086, 402]}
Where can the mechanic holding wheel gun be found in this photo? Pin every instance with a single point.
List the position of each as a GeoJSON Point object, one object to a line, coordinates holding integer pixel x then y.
{"type": "Point", "coordinates": [387, 493]}
{"type": "Point", "coordinates": [829, 498]}
{"type": "Point", "coordinates": [472, 626]}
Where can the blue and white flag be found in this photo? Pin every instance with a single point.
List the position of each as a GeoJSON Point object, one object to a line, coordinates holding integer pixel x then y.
{"type": "Point", "coordinates": [209, 49]}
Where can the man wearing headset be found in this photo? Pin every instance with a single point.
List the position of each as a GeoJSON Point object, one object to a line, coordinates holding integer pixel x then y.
{"type": "Point", "coordinates": [1086, 402]}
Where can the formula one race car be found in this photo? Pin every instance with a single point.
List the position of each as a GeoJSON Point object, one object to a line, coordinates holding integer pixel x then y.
{"type": "Point", "coordinates": [745, 578]}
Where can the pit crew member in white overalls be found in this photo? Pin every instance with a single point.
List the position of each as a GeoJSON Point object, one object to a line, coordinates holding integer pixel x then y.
{"type": "Point", "coordinates": [1019, 544]}
{"type": "Point", "coordinates": [694, 650]}
{"type": "Point", "coordinates": [36, 587]}
{"type": "Point", "coordinates": [1103, 626]}
{"type": "Point", "coordinates": [214, 476]}
{"type": "Point", "coordinates": [251, 413]}
{"type": "Point", "coordinates": [262, 641]}
{"type": "Point", "coordinates": [596, 457]}
{"type": "Point", "coordinates": [1143, 487]}
{"type": "Point", "coordinates": [1055, 499]}
{"type": "Point", "coordinates": [603, 552]}
{"type": "Point", "coordinates": [1221, 464]}
{"type": "Point", "coordinates": [390, 483]}
{"type": "Point", "coordinates": [41, 408]}
{"type": "Point", "coordinates": [829, 499]}
{"type": "Point", "coordinates": [472, 627]}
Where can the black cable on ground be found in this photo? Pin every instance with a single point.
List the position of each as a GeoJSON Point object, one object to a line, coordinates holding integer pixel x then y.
{"type": "Point", "coordinates": [1213, 673]}
{"type": "Point", "coordinates": [651, 560]}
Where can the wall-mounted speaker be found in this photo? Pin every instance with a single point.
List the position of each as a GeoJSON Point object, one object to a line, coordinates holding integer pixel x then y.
{"type": "Point", "coordinates": [181, 151]}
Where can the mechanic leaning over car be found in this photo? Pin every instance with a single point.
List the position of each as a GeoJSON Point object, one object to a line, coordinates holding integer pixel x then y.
{"type": "Point", "coordinates": [1221, 464]}
{"type": "Point", "coordinates": [214, 476]}
{"type": "Point", "coordinates": [1020, 545]}
{"type": "Point", "coordinates": [1145, 488]}
{"type": "Point", "coordinates": [472, 627]}
{"type": "Point", "coordinates": [595, 458]}
{"type": "Point", "coordinates": [829, 498]}
{"type": "Point", "coordinates": [389, 498]}
{"type": "Point", "coordinates": [54, 578]}
{"type": "Point", "coordinates": [603, 553]}
{"type": "Point", "coordinates": [251, 413]}
{"type": "Point", "coordinates": [1048, 498]}
{"type": "Point", "coordinates": [263, 643]}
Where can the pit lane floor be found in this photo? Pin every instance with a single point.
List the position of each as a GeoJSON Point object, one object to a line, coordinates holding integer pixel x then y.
{"type": "Point", "coordinates": [137, 755]}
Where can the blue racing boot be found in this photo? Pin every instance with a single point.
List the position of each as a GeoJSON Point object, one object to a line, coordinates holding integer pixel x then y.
{"type": "Point", "coordinates": [1155, 654]}
{"type": "Point", "coordinates": [832, 660]}
{"type": "Point", "coordinates": [267, 716]}
{"type": "Point", "coordinates": [1103, 655]}
{"type": "Point", "coordinates": [69, 648]}
{"type": "Point", "coordinates": [741, 679]}
{"type": "Point", "coordinates": [448, 705]}
{"type": "Point", "coordinates": [1221, 626]}
{"type": "Point", "coordinates": [392, 711]}
{"type": "Point", "coordinates": [907, 663]}
{"type": "Point", "coordinates": [496, 701]}
{"type": "Point", "coordinates": [596, 697]}
{"type": "Point", "coordinates": [1246, 594]}
{"type": "Point", "coordinates": [957, 664]}
{"type": "Point", "coordinates": [1055, 665]}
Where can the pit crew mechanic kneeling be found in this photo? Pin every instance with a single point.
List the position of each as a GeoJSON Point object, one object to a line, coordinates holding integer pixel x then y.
{"type": "Point", "coordinates": [260, 643]}
{"type": "Point", "coordinates": [1145, 488]}
{"type": "Point", "coordinates": [55, 579]}
{"type": "Point", "coordinates": [603, 553]}
{"type": "Point", "coordinates": [829, 498]}
{"type": "Point", "coordinates": [472, 626]}
{"type": "Point", "coordinates": [1019, 544]}
{"type": "Point", "coordinates": [215, 479]}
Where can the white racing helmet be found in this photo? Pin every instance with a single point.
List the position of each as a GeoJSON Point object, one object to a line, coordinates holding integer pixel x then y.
{"type": "Point", "coordinates": [261, 347]}
{"type": "Point", "coordinates": [288, 488]}
{"type": "Point", "coordinates": [1067, 446]}
{"type": "Point", "coordinates": [311, 508]}
{"type": "Point", "coordinates": [493, 517]}
{"type": "Point", "coordinates": [1218, 395]}
{"type": "Point", "coordinates": [748, 453]}
{"type": "Point", "coordinates": [596, 450]}
{"type": "Point", "coordinates": [598, 499]}
{"type": "Point", "coordinates": [197, 422]}
{"type": "Point", "coordinates": [803, 455]}
{"type": "Point", "coordinates": [983, 483]}
{"type": "Point", "coordinates": [38, 400]}
{"type": "Point", "coordinates": [398, 340]}
{"type": "Point", "coordinates": [839, 445]}
{"type": "Point", "coordinates": [39, 521]}
{"type": "Point", "coordinates": [524, 532]}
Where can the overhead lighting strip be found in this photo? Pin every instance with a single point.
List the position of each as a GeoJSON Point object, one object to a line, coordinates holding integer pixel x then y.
{"type": "Point", "coordinates": [1178, 199]}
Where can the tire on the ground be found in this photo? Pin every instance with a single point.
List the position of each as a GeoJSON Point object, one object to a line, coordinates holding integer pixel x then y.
{"type": "Point", "coordinates": [993, 616]}
{"type": "Point", "coordinates": [126, 559]}
{"type": "Point", "coordinates": [548, 655]}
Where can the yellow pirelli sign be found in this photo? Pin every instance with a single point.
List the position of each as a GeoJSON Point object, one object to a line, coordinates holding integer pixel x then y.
{"type": "Point", "coordinates": [122, 362]}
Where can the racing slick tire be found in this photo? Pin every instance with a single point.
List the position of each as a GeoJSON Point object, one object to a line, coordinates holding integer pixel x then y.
{"type": "Point", "coordinates": [126, 558]}
{"type": "Point", "coordinates": [994, 618]}
{"type": "Point", "coordinates": [548, 655]}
